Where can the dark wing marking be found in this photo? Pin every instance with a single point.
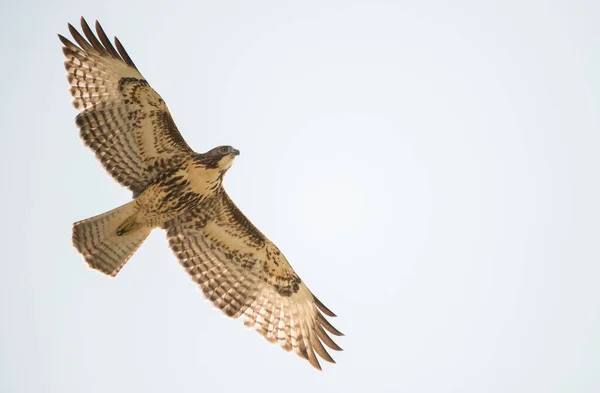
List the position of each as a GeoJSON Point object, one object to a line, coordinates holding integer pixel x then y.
{"type": "Point", "coordinates": [244, 273]}
{"type": "Point", "coordinates": [123, 120]}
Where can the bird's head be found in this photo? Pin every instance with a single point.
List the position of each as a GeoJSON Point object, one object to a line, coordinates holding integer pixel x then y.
{"type": "Point", "coordinates": [222, 156]}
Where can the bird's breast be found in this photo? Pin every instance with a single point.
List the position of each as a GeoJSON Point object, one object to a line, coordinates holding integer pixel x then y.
{"type": "Point", "coordinates": [177, 193]}
{"type": "Point", "coordinates": [204, 181]}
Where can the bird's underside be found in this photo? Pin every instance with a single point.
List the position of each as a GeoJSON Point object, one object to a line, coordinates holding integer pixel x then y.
{"type": "Point", "coordinates": [129, 128]}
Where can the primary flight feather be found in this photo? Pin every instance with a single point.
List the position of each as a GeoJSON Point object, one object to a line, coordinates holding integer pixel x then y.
{"type": "Point", "coordinates": [129, 128]}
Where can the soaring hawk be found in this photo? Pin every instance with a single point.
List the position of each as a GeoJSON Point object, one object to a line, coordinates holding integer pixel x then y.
{"type": "Point", "coordinates": [129, 128]}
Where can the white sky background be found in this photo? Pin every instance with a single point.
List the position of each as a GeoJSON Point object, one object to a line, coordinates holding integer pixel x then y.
{"type": "Point", "coordinates": [430, 169]}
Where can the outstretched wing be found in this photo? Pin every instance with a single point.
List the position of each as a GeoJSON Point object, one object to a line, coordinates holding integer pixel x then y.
{"type": "Point", "coordinates": [123, 120]}
{"type": "Point", "coordinates": [244, 273]}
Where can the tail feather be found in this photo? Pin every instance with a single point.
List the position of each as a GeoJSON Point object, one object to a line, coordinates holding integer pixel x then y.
{"type": "Point", "coordinates": [103, 249]}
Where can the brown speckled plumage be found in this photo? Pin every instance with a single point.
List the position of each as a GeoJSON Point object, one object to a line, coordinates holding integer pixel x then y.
{"type": "Point", "coordinates": [129, 128]}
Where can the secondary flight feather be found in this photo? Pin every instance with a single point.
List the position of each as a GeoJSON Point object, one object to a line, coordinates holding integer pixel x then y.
{"type": "Point", "coordinates": [129, 128]}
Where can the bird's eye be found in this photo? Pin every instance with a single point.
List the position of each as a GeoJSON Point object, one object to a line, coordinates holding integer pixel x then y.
{"type": "Point", "coordinates": [224, 149]}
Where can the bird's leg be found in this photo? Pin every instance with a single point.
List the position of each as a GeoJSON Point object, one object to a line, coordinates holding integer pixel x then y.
{"type": "Point", "coordinates": [126, 226]}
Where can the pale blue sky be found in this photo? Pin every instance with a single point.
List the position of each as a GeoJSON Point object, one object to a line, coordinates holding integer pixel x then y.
{"type": "Point", "coordinates": [430, 169]}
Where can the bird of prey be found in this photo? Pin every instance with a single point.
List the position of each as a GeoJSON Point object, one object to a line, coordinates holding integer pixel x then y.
{"type": "Point", "coordinates": [129, 128]}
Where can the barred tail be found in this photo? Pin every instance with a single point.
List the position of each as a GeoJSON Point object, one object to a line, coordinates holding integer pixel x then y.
{"type": "Point", "coordinates": [102, 241]}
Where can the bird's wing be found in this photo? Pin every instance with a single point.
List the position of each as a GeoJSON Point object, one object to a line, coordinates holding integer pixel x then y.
{"type": "Point", "coordinates": [244, 274]}
{"type": "Point", "coordinates": [123, 120]}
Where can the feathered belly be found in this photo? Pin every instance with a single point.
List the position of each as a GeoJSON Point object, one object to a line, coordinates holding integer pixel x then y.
{"type": "Point", "coordinates": [170, 198]}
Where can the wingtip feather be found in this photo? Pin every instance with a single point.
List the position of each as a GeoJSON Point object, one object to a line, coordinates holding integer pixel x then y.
{"type": "Point", "coordinates": [123, 53]}
{"type": "Point", "coordinates": [312, 359]}
{"type": "Point", "coordinates": [325, 323]}
{"type": "Point", "coordinates": [323, 308]}
{"type": "Point", "coordinates": [65, 41]}
{"type": "Point", "coordinates": [106, 41]}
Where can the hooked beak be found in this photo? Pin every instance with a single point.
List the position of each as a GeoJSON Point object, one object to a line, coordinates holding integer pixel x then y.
{"type": "Point", "coordinates": [236, 152]}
